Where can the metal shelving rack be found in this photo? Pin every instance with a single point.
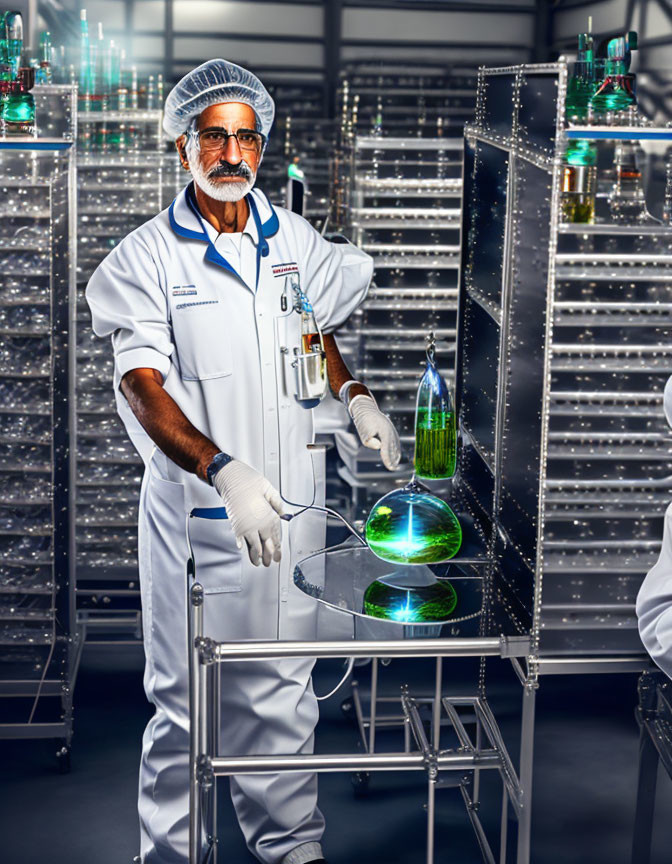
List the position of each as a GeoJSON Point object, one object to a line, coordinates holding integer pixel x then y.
{"type": "Point", "coordinates": [121, 167]}
{"type": "Point", "coordinates": [397, 193]}
{"type": "Point", "coordinates": [40, 641]}
{"type": "Point", "coordinates": [581, 499]}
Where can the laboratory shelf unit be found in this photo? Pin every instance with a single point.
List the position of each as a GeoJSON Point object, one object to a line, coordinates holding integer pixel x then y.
{"type": "Point", "coordinates": [397, 194]}
{"type": "Point", "coordinates": [567, 327]}
{"type": "Point", "coordinates": [122, 161]}
{"type": "Point", "coordinates": [40, 642]}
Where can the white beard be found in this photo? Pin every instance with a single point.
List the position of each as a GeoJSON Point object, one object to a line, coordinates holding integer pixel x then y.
{"type": "Point", "coordinates": [224, 190]}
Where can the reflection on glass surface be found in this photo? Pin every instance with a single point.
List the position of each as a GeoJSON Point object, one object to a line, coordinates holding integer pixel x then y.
{"type": "Point", "coordinates": [498, 108]}
{"type": "Point", "coordinates": [487, 210]}
{"type": "Point", "coordinates": [537, 112]}
{"type": "Point", "coordinates": [412, 526]}
{"type": "Point", "coordinates": [410, 596]}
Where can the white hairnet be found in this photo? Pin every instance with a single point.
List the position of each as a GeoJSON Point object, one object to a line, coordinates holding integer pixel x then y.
{"type": "Point", "coordinates": [212, 83]}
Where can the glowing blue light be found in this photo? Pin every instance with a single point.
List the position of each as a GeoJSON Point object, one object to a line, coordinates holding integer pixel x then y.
{"type": "Point", "coordinates": [404, 612]}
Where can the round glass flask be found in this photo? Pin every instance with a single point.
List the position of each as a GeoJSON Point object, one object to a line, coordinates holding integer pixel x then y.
{"type": "Point", "coordinates": [412, 526]}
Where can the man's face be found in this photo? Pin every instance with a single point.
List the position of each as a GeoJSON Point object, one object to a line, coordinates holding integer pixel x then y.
{"type": "Point", "coordinates": [224, 165]}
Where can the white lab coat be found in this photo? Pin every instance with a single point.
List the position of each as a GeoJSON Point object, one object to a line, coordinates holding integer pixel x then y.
{"type": "Point", "coordinates": [654, 601]}
{"type": "Point", "coordinates": [171, 301]}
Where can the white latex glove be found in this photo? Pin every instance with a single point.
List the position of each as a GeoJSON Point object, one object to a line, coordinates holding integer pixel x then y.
{"type": "Point", "coordinates": [254, 508]}
{"type": "Point", "coordinates": [375, 429]}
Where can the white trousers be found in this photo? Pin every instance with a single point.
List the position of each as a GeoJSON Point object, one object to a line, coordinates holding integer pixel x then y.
{"type": "Point", "coordinates": [266, 708]}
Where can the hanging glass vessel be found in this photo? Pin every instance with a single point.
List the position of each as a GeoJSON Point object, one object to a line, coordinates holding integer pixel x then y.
{"type": "Point", "coordinates": [435, 428]}
{"type": "Point", "coordinates": [412, 526]}
{"type": "Point", "coordinates": [410, 596]}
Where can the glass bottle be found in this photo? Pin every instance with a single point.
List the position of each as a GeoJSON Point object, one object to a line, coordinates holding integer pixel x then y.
{"type": "Point", "coordinates": [667, 201]}
{"type": "Point", "coordinates": [616, 92]}
{"type": "Point", "coordinates": [85, 71]}
{"type": "Point", "coordinates": [435, 427]}
{"type": "Point", "coordinates": [151, 94]}
{"type": "Point", "coordinates": [581, 84]}
{"type": "Point", "coordinates": [11, 42]}
{"type": "Point", "coordinates": [44, 72]}
{"type": "Point", "coordinates": [579, 181]}
{"type": "Point", "coordinates": [627, 201]}
{"type": "Point", "coordinates": [19, 107]}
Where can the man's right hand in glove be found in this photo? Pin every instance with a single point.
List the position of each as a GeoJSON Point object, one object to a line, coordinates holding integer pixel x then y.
{"type": "Point", "coordinates": [254, 508]}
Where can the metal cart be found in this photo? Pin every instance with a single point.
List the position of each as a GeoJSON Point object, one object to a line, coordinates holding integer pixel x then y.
{"type": "Point", "coordinates": [561, 349]}
{"type": "Point", "coordinates": [654, 716]}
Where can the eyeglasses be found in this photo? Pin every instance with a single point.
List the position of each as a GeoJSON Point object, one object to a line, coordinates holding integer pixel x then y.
{"type": "Point", "coordinates": [216, 139]}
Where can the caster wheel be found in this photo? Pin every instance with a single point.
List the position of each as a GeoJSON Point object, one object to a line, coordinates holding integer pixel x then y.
{"type": "Point", "coordinates": [360, 783]}
{"type": "Point", "coordinates": [63, 756]}
{"type": "Point", "coordinates": [348, 707]}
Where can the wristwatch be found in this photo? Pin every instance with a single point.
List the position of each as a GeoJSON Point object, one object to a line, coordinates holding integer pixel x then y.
{"type": "Point", "coordinates": [219, 460]}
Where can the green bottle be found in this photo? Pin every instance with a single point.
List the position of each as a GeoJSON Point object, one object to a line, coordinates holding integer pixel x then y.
{"type": "Point", "coordinates": [617, 90]}
{"type": "Point", "coordinates": [11, 42]}
{"type": "Point", "coordinates": [435, 426]}
{"type": "Point", "coordinates": [581, 84]}
{"type": "Point", "coordinates": [579, 182]}
{"type": "Point", "coordinates": [18, 110]}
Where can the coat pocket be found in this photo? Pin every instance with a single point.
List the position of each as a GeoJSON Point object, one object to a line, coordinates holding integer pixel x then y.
{"type": "Point", "coordinates": [202, 342]}
{"type": "Point", "coordinates": [217, 558]}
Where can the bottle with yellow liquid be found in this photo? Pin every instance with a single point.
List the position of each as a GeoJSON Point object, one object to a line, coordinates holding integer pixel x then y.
{"type": "Point", "coordinates": [435, 424]}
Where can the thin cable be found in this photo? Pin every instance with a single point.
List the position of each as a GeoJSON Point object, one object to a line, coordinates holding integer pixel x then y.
{"type": "Point", "coordinates": [348, 673]}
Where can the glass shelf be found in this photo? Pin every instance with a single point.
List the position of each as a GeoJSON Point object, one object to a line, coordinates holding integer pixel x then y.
{"type": "Point", "coordinates": [35, 144]}
{"type": "Point", "coordinates": [620, 133]}
{"type": "Point", "coordinates": [142, 115]}
{"type": "Point", "coordinates": [338, 578]}
{"type": "Point", "coordinates": [613, 228]}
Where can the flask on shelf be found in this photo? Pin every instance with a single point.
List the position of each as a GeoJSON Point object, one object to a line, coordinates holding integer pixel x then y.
{"type": "Point", "coordinates": [627, 202]}
{"type": "Point", "coordinates": [579, 182]}
{"type": "Point", "coordinates": [85, 70]}
{"type": "Point", "coordinates": [11, 44]}
{"type": "Point", "coordinates": [435, 427]}
{"type": "Point", "coordinates": [44, 73]}
{"type": "Point", "coordinates": [581, 84]}
{"type": "Point", "coordinates": [667, 200]}
{"type": "Point", "coordinates": [18, 110]}
{"type": "Point", "coordinates": [616, 92]}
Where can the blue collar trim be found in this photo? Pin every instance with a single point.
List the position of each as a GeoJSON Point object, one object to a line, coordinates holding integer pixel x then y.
{"type": "Point", "coordinates": [264, 230]}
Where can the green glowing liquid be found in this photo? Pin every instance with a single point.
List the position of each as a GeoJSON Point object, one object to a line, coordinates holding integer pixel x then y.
{"type": "Point", "coordinates": [19, 113]}
{"type": "Point", "coordinates": [412, 528]}
{"type": "Point", "coordinates": [613, 97]}
{"type": "Point", "coordinates": [435, 444]}
{"type": "Point", "coordinates": [424, 604]}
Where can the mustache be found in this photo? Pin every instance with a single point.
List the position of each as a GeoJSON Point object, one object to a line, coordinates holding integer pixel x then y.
{"type": "Point", "coordinates": [226, 169]}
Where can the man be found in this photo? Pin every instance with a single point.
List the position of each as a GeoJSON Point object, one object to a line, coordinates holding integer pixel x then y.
{"type": "Point", "coordinates": [654, 601]}
{"type": "Point", "coordinates": [200, 303]}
